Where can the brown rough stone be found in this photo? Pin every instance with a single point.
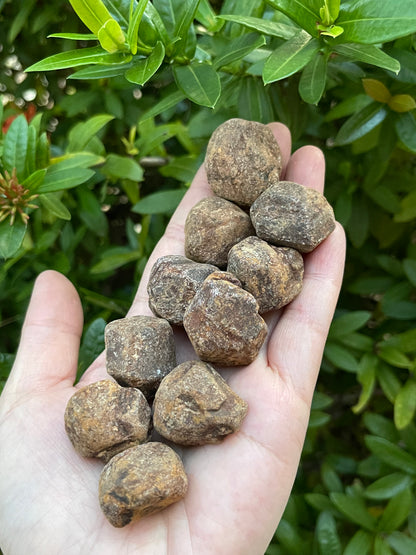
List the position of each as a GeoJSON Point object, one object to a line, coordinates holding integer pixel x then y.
{"type": "Point", "coordinates": [291, 215]}
{"type": "Point", "coordinates": [212, 227]}
{"type": "Point", "coordinates": [140, 351]}
{"type": "Point", "coordinates": [104, 418]}
{"type": "Point", "coordinates": [172, 285]}
{"type": "Point", "coordinates": [222, 322]}
{"type": "Point", "coordinates": [273, 275]}
{"type": "Point", "coordinates": [141, 481]}
{"type": "Point", "coordinates": [195, 406]}
{"type": "Point", "coordinates": [242, 160]}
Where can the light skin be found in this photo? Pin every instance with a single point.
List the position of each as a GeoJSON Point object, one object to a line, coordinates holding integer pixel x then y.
{"type": "Point", "coordinates": [237, 489]}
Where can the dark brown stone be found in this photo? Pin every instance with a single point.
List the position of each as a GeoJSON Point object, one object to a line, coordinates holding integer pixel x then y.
{"type": "Point", "coordinates": [291, 215]}
{"type": "Point", "coordinates": [141, 481]}
{"type": "Point", "coordinates": [140, 351]}
{"type": "Point", "coordinates": [195, 406]}
{"type": "Point", "coordinates": [273, 275]}
{"type": "Point", "coordinates": [104, 418]}
{"type": "Point", "coordinates": [212, 227]}
{"type": "Point", "coordinates": [172, 285]}
{"type": "Point", "coordinates": [222, 322]}
{"type": "Point", "coordinates": [242, 160]}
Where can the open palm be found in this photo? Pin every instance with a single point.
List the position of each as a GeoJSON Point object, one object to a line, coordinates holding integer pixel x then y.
{"type": "Point", "coordinates": [237, 489]}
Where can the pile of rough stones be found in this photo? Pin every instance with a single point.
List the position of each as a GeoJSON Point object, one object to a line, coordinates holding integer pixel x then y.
{"type": "Point", "coordinates": [243, 258]}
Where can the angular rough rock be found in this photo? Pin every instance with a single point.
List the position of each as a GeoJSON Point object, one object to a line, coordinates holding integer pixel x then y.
{"type": "Point", "coordinates": [273, 275]}
{"type": "Point", "coordinates": [141, 481]}
{"type": "Point", "coordinates": [212, 227]}
{"type": "Point", "coordinates": [140, 351]}
{"type": "Point", "coordinates": [195, 406]}
{"type": "Point", "coordinates": [104, 418]}
{"type": "Point", "coordinates": [173, 282]}
{"type": "Point", "coordinates": [223, 323]}
{"type": "Point", "coordinates": [242, 160]}
{"type": "Point", "coordinates": [291, 215]}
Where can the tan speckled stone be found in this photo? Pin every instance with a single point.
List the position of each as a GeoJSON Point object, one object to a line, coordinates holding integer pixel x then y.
{"type": "Point", "coordinates": [212, 227]}
{"type": "Point", "coordinates": [194, 406]}
{"type": "Point", "coordinates": [291, 215]}
{"type": "Point", "coordinates": [222, 322]}
{"type": "Point", "coordinates": [173, 282]}
{"type": "Point", "coordinates": [242, 160]}
{"type": "Point", "coordinates": [273, 275]}
{"type": "Point", "coordinates": [140, 351]}
{"type": "Point", "coordinates": [104, 418]}
{"type": "Point", "coordinates": [141, 481]}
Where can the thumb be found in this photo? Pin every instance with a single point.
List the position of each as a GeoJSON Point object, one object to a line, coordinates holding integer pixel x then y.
{"type": "Point", "coordinates": [48, 350]}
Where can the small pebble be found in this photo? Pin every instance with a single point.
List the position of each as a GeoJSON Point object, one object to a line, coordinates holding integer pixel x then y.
{"type": "Point", "coordinates": [141, 481]}
{"type": "Point", "coordinates": [140, 351]}
{"type": "Point", "coordinates": [273, 275]}
{"type": "Point", "coordinates": [195, 406]}
{"type": "Point", "coordinates": [242, 160]}
{"type": "Point", "coordinates": [173, 282]}
{"type": "Point", "coordinates": [291, 215]}
{"type": "Point", "coordinates": [104, 418]}
{"type": "Point", "coordinates": [212, 227]}
{"type": "Point", "coordinates": [223, 323]}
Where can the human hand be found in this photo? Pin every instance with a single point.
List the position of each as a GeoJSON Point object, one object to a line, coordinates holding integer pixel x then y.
{"type": "Point", "coordinates": [238, 489]}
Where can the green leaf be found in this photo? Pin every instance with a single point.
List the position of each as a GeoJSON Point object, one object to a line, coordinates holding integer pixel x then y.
{"type": "Point", "coordinates": [199, 82]}
{"type": "Point", "coordinates": [238, 48]}
{"type": "Point", "coordinates": [254, 101]}
{"type": "Point", "coordinates": [394, 357]}
{"type": "Point", "coordinates": [206, 15]}
{"type": "Point", "coordinates": [407, 208]}
{"type": "Point", "coordinates": [159, 203]}
{"type": "Point", "coordinates": [64, 179]}
{"type": "Point", "coordinates": [389, 486]}
{"type": "Point", "coordinates": [348, 106]}
{"type": "Point", "coordinates": [11, 237]}
{"type": "Point", "coordinates": [402, 103]}
{"type": "Point", "coordinates": [144, 69]}
{"type": "Point", "coordinates": [402, 544]}
{"type": "Point", "coordinates": [380, 426]}
{"type": "Point", "coordinates": [303, 12]}
{"type": "Point", "coordinates": [289, 58]}
{"type": "Point", "coordinates": [92, 13]}
{"type": "Point", "coordinates": [391, 454]}
{"type": "Point", "coordinates": [83, 132]}
{"type": "Point", "coordinates": [75, 160]}
{"type": "Point", "coordinates": [184, 23]}
{"type": "Point", "coordinates": [390, 384]}
{"type": "Point", "coordinates": [81, 57]}
{"type": "Point", "coordinates": [111, 36]}
{"type": "Point", "coordinates": [396, 512]}
{"type": "Point", "coordinates": [318, 418]}
{"type": "Point", "coordinates": [372, 21]}
{"type": "Point", "coordinates": [405, 405]}
{"type": "Point", "coordinates": [367, 378]}
{"type": "Point", "coordinates": [333, 9]}
{"type": "Point", "coordinates": [369, 54]}
{"type": "Point", "coordinates": [182, 168]}
{"type": "Point", "coordinates": [405, 342]}
{"type": "Point", "coordinates": [163, 105]}
{"type": "Point", "coordinates": [360, 544]}
{"type": "Point", "coordinates": [265, 26]}
{"type": "Point", "coordinates": [340, 357]}
{"type": "Point", "coordinates": [32, 138]}
{"type": "Point", "coordinates": [354, 509]}
{"type": "Point", "coordinates": [73, 36]}
{"type": "Point", "coordinates": [134, 23]}
{"type": "Point", "coordinates": [92, 344]}
{"type": "Point", "coordinates": [361, 123]}
{"type": "Point", "coordinates": [313, 79]}
{"type": "Point", "coordinates": [89, 210]}
{"type": "Point", "coordinates": [52, 202]}
{"type": "Point", "coordinates": [114, 261]}
{"type": "Point", "coordinates": [42, 151]}
{"type": "Point", "coordinates": [381, 547]}
{"type": "Point", "coordinates": [15, 146]}
{"type": "Point", "coordinates": [101, 71]}
{"type": "Point", "coordinates": [409, 266]}
{"type": "Point", "coordinates": [121, 167]}
{"type": "Point", "coordinates": [349, 322]}
{"type": "Point", "coordinates": [34, 180]}
{"type": "Point", "coordinates": [326, 532]}
{"type": "Point", "coordinates": [406, 130]}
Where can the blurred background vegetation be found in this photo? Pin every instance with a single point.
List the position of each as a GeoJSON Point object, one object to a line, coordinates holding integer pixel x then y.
{"type": "Point", "coordinates": [100, 142]}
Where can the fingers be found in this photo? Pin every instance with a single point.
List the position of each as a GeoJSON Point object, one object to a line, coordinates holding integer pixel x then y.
{"type": "Point", "coordinates": [307, 167]}
{"type": "Point", "coordinates": [48, 350]}
{"type": "Point", "coordinates": [296, 346]}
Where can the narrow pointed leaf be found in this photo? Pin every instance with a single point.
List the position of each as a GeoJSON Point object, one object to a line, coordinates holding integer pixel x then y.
{"type": "Point", "coordinates": [369, 54]}
{"type": "Point", "coordinates": [401, 543]}
{"type": "Point", "coordinates": [354, 509]}
{"type": "Point", "coordinates": [101, 71]}
{"type": "Point", "coordinates": [313, 79]}
{"type": "Point", "coordinates": [15, 146]}
{"type": "Point", "coordinates": [361, 123]}
{"type": "Point", "coordinates": [405, 405]}
{"type": "Point", "coordinates": [271, 28]}
{"type": "Point", "coordinates": [35, 180]}
{"type": "Point", "coordinates": [134, 24]}
{"type": "Point", "coordinates": [290, 58]}
{"type": "Point", "coordinates": [82, 133]}
{"type": "Point", "coordinates": [52, 203]}
{"type": "Point", "coordinates": [396, 512]}
{"type": "Point", "coordinates": [389, 486]}
{"type": "Point", "coordinates": [372, 21]}
{"type": "Point", "coordinates": [333, 8]}
{"type": "Point", "coordinates": [360, 544]}
{"type": "Point", "coordinates": [73, 36]}
{"type": "Point", "coordinates": [83, 56]}
{"type": "Point", "coordinates": [199, 82]}
{"type": "Point", "coordinates": [11, 237]}
{"type": "Point", "coordinates": [144, 69]}
{"type": "Point", "coordinates": [206, 15]}
{"type": "Point", "coordinates": [92, 13]}
{"type": "Point", "coordinates": [238, 48]}
{"type": "Point", "coordinates": [65, 179]}
{"type": "Point", "coordinates": [391, 454]}
{"type": "Point", "coordinates": [304, 12]}
{"type": "Point", "coordinates": [188, 15]}
{"type": "Point", "coordinates": [111, 36]}
{"type": "Point", "coordinates": [165, 104]}
{"type": "Point", "coordinates": [326, 531]}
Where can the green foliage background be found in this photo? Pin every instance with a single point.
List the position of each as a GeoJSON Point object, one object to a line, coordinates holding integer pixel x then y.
{"type": "Point", "coordinates": [118, 145]}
